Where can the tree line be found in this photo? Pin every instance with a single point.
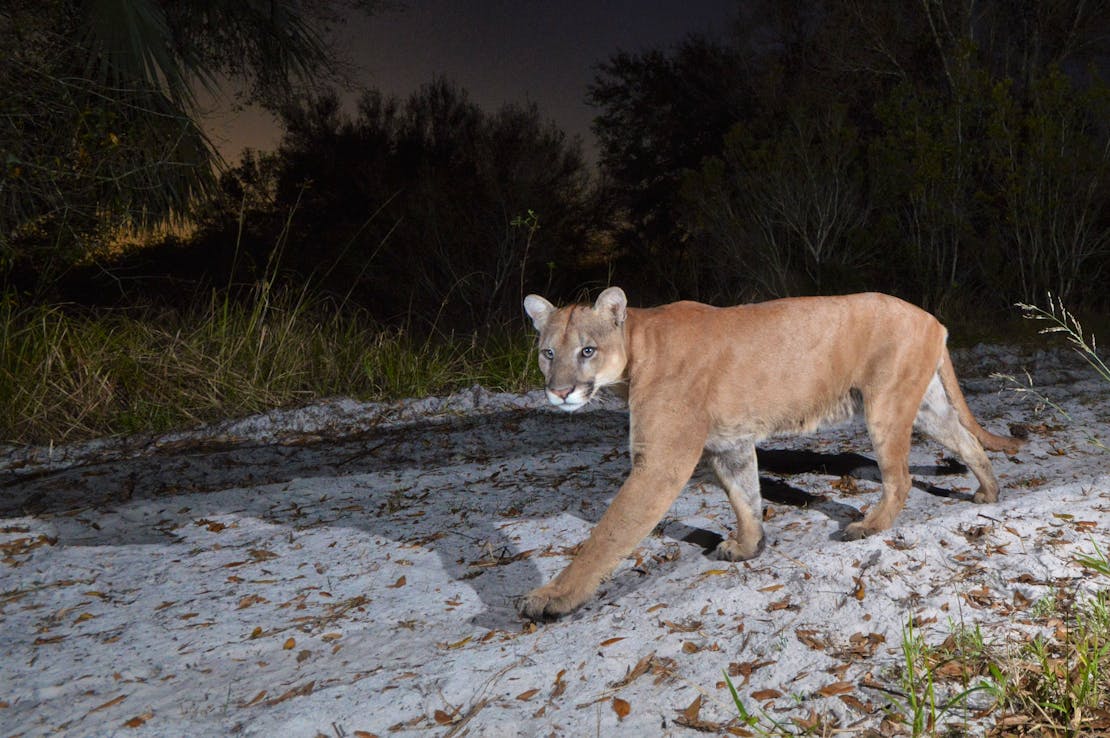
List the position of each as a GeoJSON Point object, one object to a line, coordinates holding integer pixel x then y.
{"type": "Point", "coordinates": [954, 153]}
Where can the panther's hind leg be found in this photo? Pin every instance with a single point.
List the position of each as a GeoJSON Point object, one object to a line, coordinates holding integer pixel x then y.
{"type": "Point", "coordinates": [938, 419]}
{"type": "Point", "coordinates": [890, 415]}
{"type": "Point", "coordinates": [738, 473]}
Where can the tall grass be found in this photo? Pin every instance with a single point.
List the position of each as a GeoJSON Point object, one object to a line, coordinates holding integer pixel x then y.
{"type": "Point", "coordinates": [67, 375]}
{"type": "Point", "coordinates": [1060, 320]}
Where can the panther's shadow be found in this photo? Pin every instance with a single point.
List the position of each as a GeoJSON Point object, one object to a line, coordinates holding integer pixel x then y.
{"type": "Point", "coordinates": [128, 498]}
{"type": "Point", "coordinates": [788, 462]}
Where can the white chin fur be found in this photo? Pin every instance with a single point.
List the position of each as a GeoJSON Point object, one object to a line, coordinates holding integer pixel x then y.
{"type": "Point", "coordinates": [569, 405]}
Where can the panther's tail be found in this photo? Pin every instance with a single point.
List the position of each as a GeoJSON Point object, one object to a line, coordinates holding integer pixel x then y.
{"type": "Point", "coordinates": [989, 441]}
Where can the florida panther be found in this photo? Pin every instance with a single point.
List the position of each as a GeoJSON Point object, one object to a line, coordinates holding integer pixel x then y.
{"type": "Point", "coordinates": [719, 380]}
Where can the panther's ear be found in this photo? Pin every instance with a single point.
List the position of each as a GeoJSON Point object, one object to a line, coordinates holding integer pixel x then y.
{"type": "Point", "coordinates": [539, 310]}
{"type": "Point", "coordinates": [612, 302]}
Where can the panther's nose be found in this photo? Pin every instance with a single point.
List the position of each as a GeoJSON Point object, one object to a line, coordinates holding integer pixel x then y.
{"type": "Point", "coordinates": [561, 392]}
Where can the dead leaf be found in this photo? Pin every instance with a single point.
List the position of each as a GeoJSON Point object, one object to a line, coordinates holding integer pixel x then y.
{"type": "Point", "coordinates": [862, 646]}
{"type": "Point", "coordinates": [290, 644]}
{"type": "Point", "coordinates": [20, 546]}
{"type": "Point", "coordinates": [899, 544]}
{"type": "Point", "coordinates": [458, 644]}
{"type": "Point", "coordinates": [249, 600]}
{"type": "Point", "coordinates": [621, 707]}
{"type": "Point", "coordinates": [811, 639]}
{"type": "Point", "coordinates": [979, 598]}
{"type": "Point", "coordinates": [745, 669]}
{"type": "Point", "coordinates": [560, 685]}
{"type": "Point", "coordinates": [1010, 721]}
{"type": "Point", "coordinates": [261, 554]}
{"type": "Point", "coordinates": [974, 533]}
{"type": "Point", "coordinates": [637, 671]}
{"type": "Point", "coordinates": [859, 591]}
{"type": "Point", "coordinates": [138, 720]}
{"type": "Point", "coordinates": [525, 696]}
{"type": "Point", "coordinates": [766, 694]}
{"type": "Point", "coordinates": [109, 703]}
{"type": "Point", "coordinates": [663, 668]}
{"type": "Point", "coordinates": [254, 700]}
{"type": "Point", "coordinates": [832, 690]}
{"type": "Point", "coordinates": [691, 712]}
{"type": "Point", "coordinates": [771, 588]}
{"type": "Point", "coordinates": [856, 704]}
{"type": "Point", "coordinates": [491, 559]}
{"type": "Point", "coordinates": [610, 642]}
{"type": "Point", "coordinates": [443, 718]}
{"type": "Point", "coordinates": [398, 584]}
{"type": "Point", "coordinates": [952, 669]}
{"type": "Point", "coordinates": [689, 627]}
{"type": "Point", "coordinates": [301, 691]}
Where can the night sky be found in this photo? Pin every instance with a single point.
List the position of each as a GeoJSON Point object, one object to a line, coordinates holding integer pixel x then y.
{"type": "Point", "coordinates": [498, 50]}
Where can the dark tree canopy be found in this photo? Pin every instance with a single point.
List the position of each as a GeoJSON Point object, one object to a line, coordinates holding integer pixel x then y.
{"type": "Point", "coordinates": [947, 151]}
{"type": "Point", "coordinates": [419, 210]}
{"type": "Point", "coordinates": [953, 152]}
{"type": "Point", "coordinates": [97, 120]}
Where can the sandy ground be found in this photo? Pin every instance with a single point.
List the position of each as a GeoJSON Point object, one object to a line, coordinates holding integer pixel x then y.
{"type": "Point", "coordinates": [350, 570]}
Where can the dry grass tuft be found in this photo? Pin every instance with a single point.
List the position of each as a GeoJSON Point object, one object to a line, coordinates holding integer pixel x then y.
{"type": "Point", "coordinates": [68, 375]}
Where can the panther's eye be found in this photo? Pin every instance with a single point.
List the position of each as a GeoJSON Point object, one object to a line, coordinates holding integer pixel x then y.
{"type": "Point", "coordinates": [548, 354]}
{"type": "Point", "coordinates": [588, 352]}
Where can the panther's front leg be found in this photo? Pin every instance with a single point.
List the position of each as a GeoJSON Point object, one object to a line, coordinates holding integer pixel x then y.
{"type": "Point", "coordinates": [738, 473]}
{"type": "Point", "coordinates": [662, 463]}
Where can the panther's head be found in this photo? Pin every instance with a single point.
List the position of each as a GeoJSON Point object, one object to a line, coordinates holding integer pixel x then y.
{"type": "Point", "coordinates": [582, 348]}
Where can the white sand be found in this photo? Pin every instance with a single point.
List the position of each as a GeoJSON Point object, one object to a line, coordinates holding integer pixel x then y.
{"type": "Point", "coordinates": [351, 567]}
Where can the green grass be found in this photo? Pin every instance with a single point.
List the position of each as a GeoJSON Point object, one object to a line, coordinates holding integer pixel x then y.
{"type": "Point", "coordinates": [1056, 682]}
{"type": "Point", "coordinates": [68, 375]}
{"type": "Point", "coordinates": [1053, 683]}
{"type": "Point", "coordinates": [751, 724]}
{"type": "Point", "coordinates": [918, 704]}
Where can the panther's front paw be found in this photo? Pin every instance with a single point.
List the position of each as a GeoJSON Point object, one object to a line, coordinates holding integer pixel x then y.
{"type": "Point", "coordinates": [731, 549]}
{"type": "Point", "coordinates": [856, 531]}
{"type": "Point", "coordinates": [549, 603]}
{"type": "Point", "coordinates": [985, 495]}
